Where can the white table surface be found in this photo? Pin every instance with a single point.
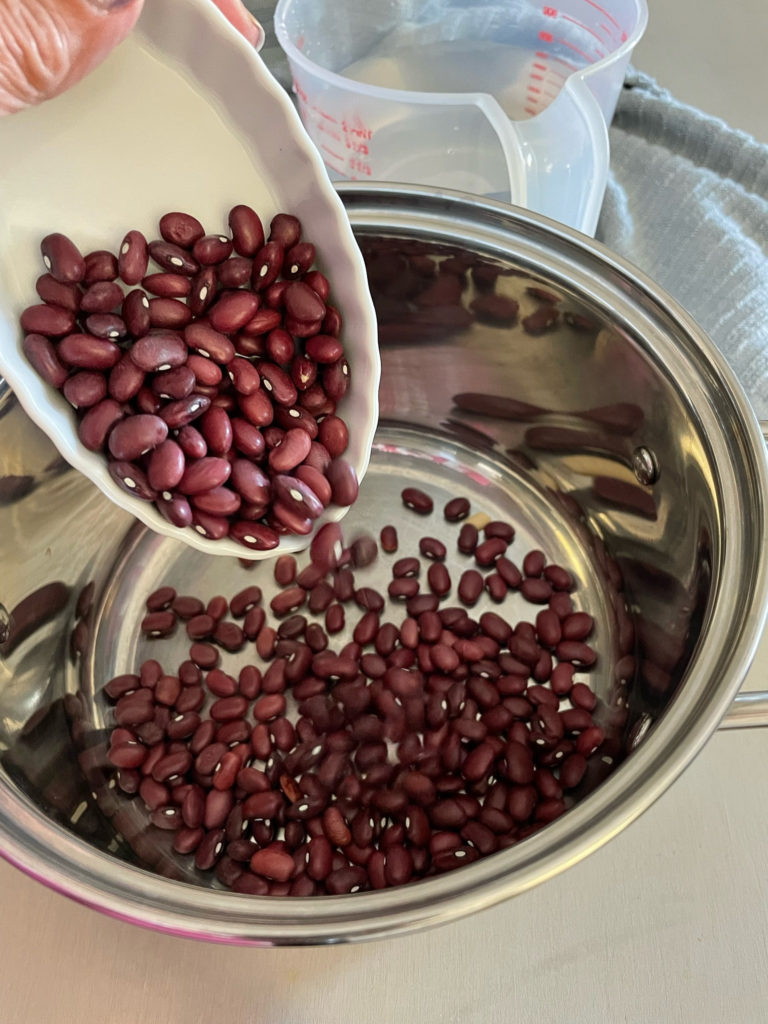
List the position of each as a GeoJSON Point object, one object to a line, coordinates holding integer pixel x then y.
{"type": "Point", "coordinates": [668, 923]}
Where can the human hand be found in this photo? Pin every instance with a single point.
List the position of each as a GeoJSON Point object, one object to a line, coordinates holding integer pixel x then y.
{"type": "Point", "coordinates": [46, 46]}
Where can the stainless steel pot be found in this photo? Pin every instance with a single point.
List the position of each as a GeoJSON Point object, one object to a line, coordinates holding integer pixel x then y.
{"type": "Point", "coordinates": [524, 366]}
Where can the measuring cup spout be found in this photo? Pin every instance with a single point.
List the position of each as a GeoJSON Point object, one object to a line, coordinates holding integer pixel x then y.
{"type": "Point", "coordinates": [557, 161]}
{"type": "Point", "coordinates": [566, 154]}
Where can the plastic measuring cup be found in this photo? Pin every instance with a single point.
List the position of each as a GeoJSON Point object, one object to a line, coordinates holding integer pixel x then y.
{"type": "Point", "coordinates": [506, 99]}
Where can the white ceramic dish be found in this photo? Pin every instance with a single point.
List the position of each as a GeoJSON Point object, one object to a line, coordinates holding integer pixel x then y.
{"type": "Point", "coordinates": [184, 115]}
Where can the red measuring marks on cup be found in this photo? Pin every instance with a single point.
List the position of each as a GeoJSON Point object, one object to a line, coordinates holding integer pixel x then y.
{"type": "Point", "coordinates": [549, 70]}
{"type": "Point", "coordinates": [343, 142]}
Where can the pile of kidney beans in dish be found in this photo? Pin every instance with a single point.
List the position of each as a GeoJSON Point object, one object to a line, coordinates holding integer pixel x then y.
{"type": "Point", "coordinates": [412, 750]}
{"type": "Point", "coordinates": [210, 384]}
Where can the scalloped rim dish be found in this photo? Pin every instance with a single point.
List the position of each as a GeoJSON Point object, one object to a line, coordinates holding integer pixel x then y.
{"type": "Point", "coordinates": [222, 70]}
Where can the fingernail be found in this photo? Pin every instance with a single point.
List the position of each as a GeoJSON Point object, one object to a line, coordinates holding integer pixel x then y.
{"type": "Point", "coordinates": [110, 5]}
{"type": "Point", "coordinates": [257, 40]}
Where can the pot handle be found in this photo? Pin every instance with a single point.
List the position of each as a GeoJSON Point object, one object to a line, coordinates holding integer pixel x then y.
{"type": "Point", "coordinates": [750, 708]}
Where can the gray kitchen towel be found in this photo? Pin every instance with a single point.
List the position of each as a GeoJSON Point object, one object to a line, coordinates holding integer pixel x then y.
{"type": "Point", "coordinates": [686, 202]}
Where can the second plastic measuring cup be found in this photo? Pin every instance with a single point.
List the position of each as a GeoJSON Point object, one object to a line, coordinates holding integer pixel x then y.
{"type": "Point", "coordinates": [510, 100]}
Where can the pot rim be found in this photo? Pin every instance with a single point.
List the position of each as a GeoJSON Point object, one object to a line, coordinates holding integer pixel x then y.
{"type": "Point", "coordinates": [737, 611]}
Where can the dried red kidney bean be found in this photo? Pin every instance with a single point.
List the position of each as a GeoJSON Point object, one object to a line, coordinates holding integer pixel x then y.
{"type": "Point", "coordinates": [508, 572]}
{"type": "Point", "coordinates": [433, 548]}
{"type": "Point", "coordinates": [516, 724]}
{"type": "Point", "coordinates": [343, 480]}
{"type": "Point", "coordinates": [181, 229]}
{"type": "Point", "coordinates": [488, 551]}
{"type": "Point", "coordinates": [580, 654]}
{"type": "Point", "coordinates": [470, 587]}
{"type": "Point", "coordinates": [42, 355]}
{"type": "Point", "coordinates": [62, 258]}
{"type": "Point", "coordinates": [247, 230]}
{"type": "Point", "coordinates": [582, 697]}
{"type": "Point", "coordinates": [577, 626]}
{"type": "Point", "coordinates": [499, 528]}
{"type": "Point", "coordinates": [58, 293]}
{"type": "Point", "coordinates": [85, 389]}
{"type": "Point", "coordinates": [533, 563]}
{"type": "Point", "coordinates": [456, 509]}
{"type": "Point", "coordinates": [468, 537]}
{"type": "Point", "coordinates": [439, 579]}
{"type": "Point", "coordinates": [417, 500]}
{"type": "Point", "coordinates": [559, 577]}
{"type": "Point", "coordinates": [52, 321]}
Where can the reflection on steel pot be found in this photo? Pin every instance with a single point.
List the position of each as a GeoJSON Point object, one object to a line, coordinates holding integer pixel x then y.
{"type": "Point", "coordinates": [524, 369]}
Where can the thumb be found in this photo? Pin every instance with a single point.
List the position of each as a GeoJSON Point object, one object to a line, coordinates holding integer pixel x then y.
{"type": "Point", "coordinates": [46, 46]}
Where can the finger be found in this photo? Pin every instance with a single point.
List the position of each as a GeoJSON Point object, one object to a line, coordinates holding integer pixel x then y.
{"type": "Point", "coordinates": [236, 13]}
{"type": "Point", "coordinates": [46, 46]}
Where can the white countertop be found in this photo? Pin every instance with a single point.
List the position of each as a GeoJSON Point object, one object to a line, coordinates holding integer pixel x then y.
{"type": "Point", "coordinates": [667, 923]}
{"type": "Point", "coordinates": [711, 55]}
